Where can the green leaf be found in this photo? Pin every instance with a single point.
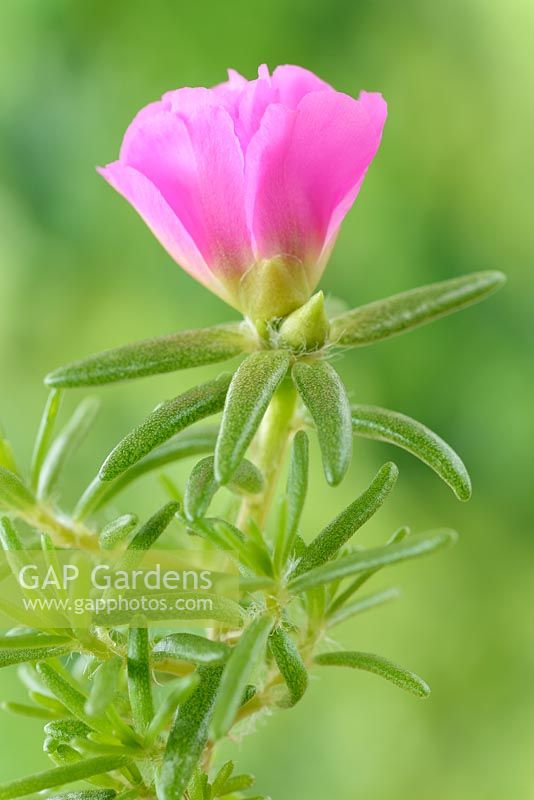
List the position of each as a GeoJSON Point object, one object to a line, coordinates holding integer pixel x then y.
{"type": "Point", "coordinates": [117, 530]}
{"type": "Point", "coordinates": [188, 736]}
{"type": "Point", "coordinates": [165, 421]}
{"type": "Point", "coordinates": [25, 711]}
{"type": "Point", "coordinates": [296, 490]}
{"type": "Point", "coordinates": [185, 445]}
{"type": "Point", "coordinates": [66, 730]}
{"type": "Point", "coordinates": [69, 696]}
{"type": "Point", "coordinates": [238, 783]}
{"type": "Point", "coordinates": [182, 350]}
{"type": "Point", "coordinates": [325, 397]}
{"type": "Point", "coordinates": [249, 395]}
{"type": "Point", "coordinates": [202, 486]}
{"type": "Point", "coordinates": [65, 444]}
{"type": "Point", "coordinates": [13, 492]}
{"type": "Point", "coordinates": [44, 434]}
{"type": "Point", "coordinates": [402, 312]}
{"type": "Point", "coordinates": [413, 547]}
{"type": "Point", "coordinates": [7, 459]}
{"type": "Point", "coordinates": [220, 779]}
{"type": "Point", "coordinates": [245, 657]}
{"type": "Point", "coordinates": [86, 794]}
{"type": "Point", "coordinates": [380, 666]}
{"type": "Point", "coordinates": [167, 708]}
{"type": "Point", "coordinates": [150, 532]}
{"type": "Point", "coordinates": [339, 531]}
{"type": "Point", "coordinates": [191, 647]}
{"type": "Point", "coordinates": [363, 604]}
{"type": "Point", "coordinates": [59, 776]}
{"type": "Point", "coordinates": [290, 663]}
{"type": "Point", "coordinates": [9, 657]}
{"type": "Point", "coordinates": [390, 426]}
{"type": "Point", "coordinates": [33, 640]}
{"type": "Point", "coordinates": [363, 577]}
{"type": "Point", "coordinates": [103, 687]}
{"type": "Point", "coordinates": [139, 679]}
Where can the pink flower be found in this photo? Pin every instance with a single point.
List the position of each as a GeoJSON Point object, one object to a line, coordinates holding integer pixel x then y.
{"type": "Point", "coordinates": [246, 184]}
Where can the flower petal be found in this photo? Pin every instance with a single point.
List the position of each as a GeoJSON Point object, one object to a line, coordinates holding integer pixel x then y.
{"type": "Point", "coordinates": [162, 221]}
{"type": "Point", "coordinates": [293, 83]}
{"type": "Point", "coordinates": [304, 168]}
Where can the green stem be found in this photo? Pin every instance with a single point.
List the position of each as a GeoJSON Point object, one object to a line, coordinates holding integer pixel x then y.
{"type": "Point", "coordinates": [269, 450]}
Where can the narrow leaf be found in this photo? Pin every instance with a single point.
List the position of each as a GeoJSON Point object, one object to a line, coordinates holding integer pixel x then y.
{"type": "Point", "coordinates": [390, 426]}
{"type": "Point", "coordinates": [13, 492]}
{"type": "Point", "coordinates": [65, 444]}
{"type": "Point", "coordinates": [185, 445]}
{"type": "Point", "coordinates": [117, 530]}
{"type": "Point", "coordinates": [66, 730]}
{"type": "Point", "coordinates": [296, 490]}
{"type": "Point", "coordinates": [59, 776]}
{"type": "Point", "coordinates": [69, 696]}
{"type": "Point", "coordinates": [220, 779]}
{"type": "Point", "coordinates": [33, 640]}
{"type": "Point", "coordinates": [44, 434]}
{"type": "Point", "coordinates": [402, 312]}
{"type": "Point", "coordinates": [26, 711]}
{"type": "Point", "coordinates": [339, 531]}
{"type": "Point", "coordinates": [85, 794]}
{"type": "Point", "coordinates": [103, 686]}
{"type": "Point", "coordinates": [244, 659]}
{"type": "Point", "coordinates": [413, 547]}
{"type": "Point", "coordinates": [167, 708]}
{"type": "Point", "coordinates": [9, 657]}
{"type": "Point", "coordinates": [325, 397]}
{"type": "Point", "coordinates": [188, 736]}
{"type": "Point", "coordinates": [202, 486]}
{"type": "Point", "coordinates": [7, 459]}
{"type": "Point", "coordinates": [361, 605]}
{"type": "Point", "coordinates": [380, 666]}
{"type": "Point", "coordinates": [249, 395]}
{"type": "Point", "coordinates": [290, 664]}
{"type": "Point", "coordinates": [238, 783]}
{"type": "Point", "coordinates": [165, 421]}
{"type": "Point", "coordinates": [139, 679]}
{"type": "Point", "coordinates": [191, 647]}
{"type": "Point", "coordinates": [152, 530]}
{"type": "Point", "coordinates": [193, 348]}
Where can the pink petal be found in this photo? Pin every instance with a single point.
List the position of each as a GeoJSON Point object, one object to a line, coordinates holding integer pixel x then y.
{"type": "Point", "coordinates": [293, 83]}
{"type": "Point", "coordinates": [190, 152]}
{"type": "Point", "coordinates": [164, 224]}
{"type": "Point", "coordinates": [304, 168]}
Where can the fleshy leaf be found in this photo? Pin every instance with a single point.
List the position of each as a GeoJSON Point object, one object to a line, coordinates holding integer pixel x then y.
{"type": "Point", "coordinates": [290, 663]}
{"type": "Point", "coordinates": [59, 776]}
{"type": "Point", "coordinates": [165, 421]}
{"type": "Point", "coordinates": [402, 312]}
{"type": "Point", "coordinates": [325, 397]}
{"type": "Point", "coordinates": [13, 492]}
{"type": "Point", "coordinates": [9, 657]}
{"type": "Point", "coordinates": [244, 658]}
{"type": "Point", "coordinates": [191, 647]}
{"type": "Point", "coordinates": [342, 528]}
{"type": "Point", "coordinates": [296, 490]}
{"type": "Point", "coordinates": [65, 444]}
{"type": "Point", "coordinates": [117, 530]}
{"type": "Point", "coordinates": [139, 679]}
{"type": "Point", "coordinates": [202, 486]}
{"type": "Point", "coordinates": [154, 527]}
{"type": "Point", "coordinates": [179, 694]}
{"type": "Point", "coordinates": [390, 426]}
{"type": "Point", "coordinates": [103, 686]}
{"type": "Point", "coordinates": [361, 561]}
{"type": "Point", "coordinates": [188, 736]}
{"type": "Point", "coordinates": [249, 395]}
{"type": "Point", "coordinates": [181, 350]}
{"type": "Point", "coordinates": [360, 605]}
{"type": "Point", "coordinates": [69, 696]}
{"type": "Point", "coordinates": [369, 662]}
{"type": "Point", "coordinates": [44, 434]}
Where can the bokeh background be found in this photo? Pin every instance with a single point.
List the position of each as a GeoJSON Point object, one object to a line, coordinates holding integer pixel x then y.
{"type": "Point", "coordinates": [450, 192]}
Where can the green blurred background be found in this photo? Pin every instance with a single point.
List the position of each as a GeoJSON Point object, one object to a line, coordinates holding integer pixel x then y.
{"type": "Point", "coordinates": [450, 192]}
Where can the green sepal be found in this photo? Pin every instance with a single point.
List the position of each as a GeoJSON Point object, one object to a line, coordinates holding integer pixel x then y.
{"type": "Point", "coordinates": [192, 648]}
{"type": "Point", "coordinates": [361, 561]}
{"type": "Point", "coordinates": [139, 679]}
{"type": "Point", "coordinates": [59, 776]}
{"type": "Point", "coordinates": [402, 312]}
{"type": "Point", "coordinates": [202, 485]}
{"type": "Point", "coordinates": [245, 657]}
{"type": "Point", "coordinates": [338, 532]}
{"type": "Point", "coordinates": [188, 736]}
{"type": "Point", "coordinates": [182, 350]}
{"type": "Point", "coordinates": [305, 329]}
{"type": "Point", "coordinates": [290, 664]}
{"type": "Point", "coordinates": [165, 421]}
{"type": "Point", "coordinates": [326, 399]}
{"type": "Point", "coordinates": [249, 395]}
{"type": "Point", "coordinates": [403, 678]}
{"type": "Point", "coordinates": [384, 425]}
